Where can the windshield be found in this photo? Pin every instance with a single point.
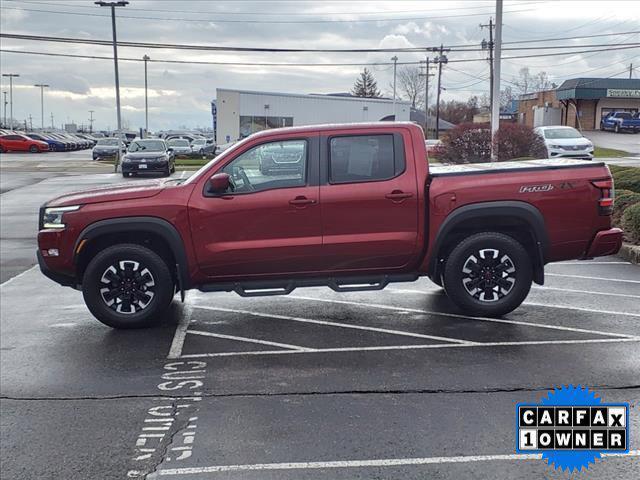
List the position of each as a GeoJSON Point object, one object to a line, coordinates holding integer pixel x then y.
{"type": "Point", "coordinates": [108, 141]}
{"type": "Point", "coordinates": [555, 133]}
{"type": "Point", "coordinates": [147, 146]}
{"type": "Point", "coordinates": [623, 115]}
{"type": "Point", "coordinates": [199, 141]}
{"type": "Point", "coordinates": [178, 143]}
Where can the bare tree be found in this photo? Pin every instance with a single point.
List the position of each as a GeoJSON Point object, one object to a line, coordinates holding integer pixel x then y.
{"type": "Point", "coordinates": [528, 82]}
{"type": "Point", "coordinates": [411, 85]}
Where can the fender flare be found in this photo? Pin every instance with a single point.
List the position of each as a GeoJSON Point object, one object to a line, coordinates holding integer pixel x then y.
{"type": "Point", "coordinates": [514, 209]}
{"type": "Point", "coordinates": [154, 225]}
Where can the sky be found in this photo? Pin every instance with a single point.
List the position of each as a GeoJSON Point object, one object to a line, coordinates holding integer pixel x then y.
{"type": "Point", "coordinates": [180, 94]}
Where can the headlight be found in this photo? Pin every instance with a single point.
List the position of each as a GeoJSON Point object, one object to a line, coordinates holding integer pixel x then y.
{"type": "Point", "coordinates": [554, 146]}
{"type": "Point", "coordinates": [52, 217]}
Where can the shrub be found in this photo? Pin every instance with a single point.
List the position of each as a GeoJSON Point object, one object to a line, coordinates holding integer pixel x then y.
{"type": "Point", "coordinates": [627, 179]}
{"type": "Point", "coordinates": [466, 143]}
{"type": "Point", "coordinates": [622, 202]}
{"type": "Point", "coordinates": [631, 223]}
{"type": "Point", "coordinates": [471, 143]}
{"type": "Point", "coordinates": [513, 141]}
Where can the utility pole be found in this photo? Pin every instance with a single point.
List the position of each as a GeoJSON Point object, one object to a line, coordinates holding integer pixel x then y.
{"type": "Point", "coordinates": [91, 121]}
{"type": "Point", "coordinates": [11, 77]}
{"type": "Point", "coordinates": [52, 124]}
{"type": "Point", "coordinates": [4, 124]}
{"type": "Point", "coordinates": [42, 87]}
{"type": "Point", "coordinates": [30, 122]}
{"type": "Point", "coordinates": [489, 46]}
{"type": "Point", "coordinates": [394, 59]}
{"type": "Point", "coordinates": [495, 103]}
{"type": "Point", "coordinates": [441, 59]}
{"type": "Point", "coordinates": [427, 73]}
{"type": "Point", "coordinates": [113, 6]}
{"type": "Point", "coordinates": [631, 70]}
{"type": "Point", "coordinates": [146, 58]}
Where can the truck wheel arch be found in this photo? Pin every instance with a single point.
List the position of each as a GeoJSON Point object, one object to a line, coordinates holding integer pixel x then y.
{"type": "Point", "coordinates": [151, 225]}
{"type": "Point", "coordinates": [500, 216]}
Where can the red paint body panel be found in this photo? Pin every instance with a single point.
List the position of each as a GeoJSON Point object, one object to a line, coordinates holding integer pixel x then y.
{"type": "Point", "coordinates": [21, 144]}
{"type": "Point", "coordinates": [351, 228]}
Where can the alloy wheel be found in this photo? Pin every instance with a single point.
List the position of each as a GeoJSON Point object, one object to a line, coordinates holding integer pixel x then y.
{"type": "Point", "coordinates": [489, 275]}
{"type": "Point", "coordinates": [128, 287]}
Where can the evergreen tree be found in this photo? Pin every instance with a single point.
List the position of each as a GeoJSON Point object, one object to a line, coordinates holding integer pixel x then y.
{"type": "Point", "coordinates": [366, 86]}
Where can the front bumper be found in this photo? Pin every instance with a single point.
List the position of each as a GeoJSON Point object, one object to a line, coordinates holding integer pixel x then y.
{"type": "Point", "coordinates": [131, 167]}
{"type": "Point", "coordinates": [562, 153]}
{"type": "Point", "coordinates": [62, 279]}
{"type": "Point", "coordinates": [605, 242]}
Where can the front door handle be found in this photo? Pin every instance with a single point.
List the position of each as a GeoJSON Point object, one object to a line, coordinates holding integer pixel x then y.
{"type": "Point", "coordinates": [301, 201]}
{"type": "Point", "coordinates": [398, 195]}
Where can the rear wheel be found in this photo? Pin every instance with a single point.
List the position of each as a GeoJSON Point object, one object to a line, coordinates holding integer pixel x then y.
{"type": "Point", "coordinates": [488, 274]}
{"type": "Point", "coordinates": [127, 286]}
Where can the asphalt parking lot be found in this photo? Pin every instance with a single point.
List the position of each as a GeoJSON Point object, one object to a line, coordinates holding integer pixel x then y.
{"type": "Point", "coordinates": [390, 384]}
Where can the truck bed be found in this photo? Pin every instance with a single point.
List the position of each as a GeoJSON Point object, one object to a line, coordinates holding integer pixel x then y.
{"type": "Point", "coordinates": [438, 170]}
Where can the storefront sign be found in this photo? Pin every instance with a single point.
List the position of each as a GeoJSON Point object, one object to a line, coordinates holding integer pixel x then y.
{"type": "Point", "coordinates": [623, 92]}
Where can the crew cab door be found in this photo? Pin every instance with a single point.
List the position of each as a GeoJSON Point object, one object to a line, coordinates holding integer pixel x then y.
{"type": "Point", "coordinates": [270, 223]}
{"type": "Point", "coordinates": [369, 201]}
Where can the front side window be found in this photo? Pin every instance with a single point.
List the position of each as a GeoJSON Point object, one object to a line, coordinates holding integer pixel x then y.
{"type": "Point", "coordinates": [270, 165]}
{"type": "Point", "coordinates": [361, 158]}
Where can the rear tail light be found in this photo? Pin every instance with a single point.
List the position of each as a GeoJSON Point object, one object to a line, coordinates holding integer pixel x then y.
{"type": "Point", "coordinates": [605, 202]}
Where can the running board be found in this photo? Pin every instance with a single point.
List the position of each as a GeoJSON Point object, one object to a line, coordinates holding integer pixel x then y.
{"type": "Point", "coordinates": [262, 288]}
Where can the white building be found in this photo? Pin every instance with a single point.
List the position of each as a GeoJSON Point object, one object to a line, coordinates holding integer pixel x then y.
{"type": "Point", "coordinates": [238, 113]}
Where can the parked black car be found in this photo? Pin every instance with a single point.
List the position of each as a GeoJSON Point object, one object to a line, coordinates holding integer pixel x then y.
{"type": "Point", "coordinates": [148, 155]}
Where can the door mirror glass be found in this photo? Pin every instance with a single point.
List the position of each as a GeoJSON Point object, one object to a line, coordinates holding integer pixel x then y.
{"type": "Point", "coordinates": [219, 183]}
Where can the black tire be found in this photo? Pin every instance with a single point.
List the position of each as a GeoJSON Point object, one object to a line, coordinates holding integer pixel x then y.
{"type": "Point", "coordinates": [33, 149]}
{"type": "Point", "coordinates": [2, 150]}
{"type": "Point", "coordinates": [477, 269]}
{"type": "Point", "coordinates": [602, 126]}
{"type": "Point", "coordinates": [616, 128]}
{"type": "Point", "coordinates": [121, 266]}
{"type": "Point", "coordinates": [125, 174]}
{"type": "Point", "coordinates": [173, 168]}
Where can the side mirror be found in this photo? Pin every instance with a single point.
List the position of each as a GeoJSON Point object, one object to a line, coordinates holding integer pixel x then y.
{"type": "Point", "coordinates": [170, 149]}
{"type": "Point", "coordinates": [219, 183]}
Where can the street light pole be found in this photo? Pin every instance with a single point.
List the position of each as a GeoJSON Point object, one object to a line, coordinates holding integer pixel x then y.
{"type": "Point", "coordinates": [91, 121]}
{"type": "Point", "coordinates": [495, 101]}
{"type": "Point", "coordinates": [4, 124]}
{"type": "Point", "coordinates": [11, 77]}
{"type": "Point", "coordinates": [113, 6]}
{"type": "Point", "coordinates": [395, 63]}
{"type": "Point", "coordinates": [42, 87]}
{"type": "Point", "coordinates": [146, 58]}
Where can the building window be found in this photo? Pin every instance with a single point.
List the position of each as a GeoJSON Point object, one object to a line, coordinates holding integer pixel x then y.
{"type": "Point", "coordinates": [254, 123]}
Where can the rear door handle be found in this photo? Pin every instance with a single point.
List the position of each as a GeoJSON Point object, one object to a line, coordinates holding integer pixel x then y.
{"type": "Point", "coordinates": [301, 201]}
{"type": "Point", "coordinates": [398, 195]}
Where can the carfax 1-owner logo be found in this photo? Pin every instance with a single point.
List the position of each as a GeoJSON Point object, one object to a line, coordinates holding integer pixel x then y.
{"type": "Point", "coordinates": [571, 427]}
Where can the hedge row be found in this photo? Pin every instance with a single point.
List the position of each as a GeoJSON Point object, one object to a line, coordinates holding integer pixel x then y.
{"type": "Point", "coordinates": [626, 211]}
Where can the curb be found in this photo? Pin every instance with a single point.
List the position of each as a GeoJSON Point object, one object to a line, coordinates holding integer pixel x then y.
{"type": "Point", "coordinates": [630, 253]}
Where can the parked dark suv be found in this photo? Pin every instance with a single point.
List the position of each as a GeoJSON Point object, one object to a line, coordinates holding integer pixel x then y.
{"type": "Point", "coordinates": [150, 155]}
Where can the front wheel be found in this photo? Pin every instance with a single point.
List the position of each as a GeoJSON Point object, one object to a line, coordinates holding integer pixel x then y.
{"type": "Point", "coordinates": [127, 286]}
{"type": "Point", "coordinates": [616, 128]}
{"type": "Point", "coordinates": [488, 274]}
{"type": "Point", "coordinates": [33, 149]}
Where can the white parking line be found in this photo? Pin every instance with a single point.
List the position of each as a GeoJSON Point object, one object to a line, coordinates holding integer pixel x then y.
{"type": "Point", "coordinates": [413, 347]}
{"type": "Point", "coordinates": [571, 290]}
{"type": "Point", "coordinates": [181, 330]}
{"type": "Point", "coordinates": [7, 282]}
{"type": "Point", "coordinates": [337, 324]}
{"type": "Point", "coordinates": [379, 462]}
{"type": "Point", "coordinates": [483, 319]}
{"type": "Point", "coordinates": [586, 262]}
{"type": "Point", "coordinates": [604, 279]}
{"type": "Point", "coordinates": [250, 340]}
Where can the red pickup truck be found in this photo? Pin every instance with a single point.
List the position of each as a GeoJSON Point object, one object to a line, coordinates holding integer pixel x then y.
{"type": "Point", "coordinates": [351, 207]}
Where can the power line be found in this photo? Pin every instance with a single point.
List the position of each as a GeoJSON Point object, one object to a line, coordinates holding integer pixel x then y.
{"type": "Point", "coordinates": [201, 62]}
{"type": "Point", "coordinates": [571, 38]}
{"type": "Point", "coordinates": [279, 50]}
{"type": "Point", "coordinates": [271, 13]}
{"type": "Point", "coordinates": [395, 19]}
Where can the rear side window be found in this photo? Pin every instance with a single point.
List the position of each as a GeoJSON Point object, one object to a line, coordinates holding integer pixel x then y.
{"type": "Point", "coordinates": [363, 158]}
